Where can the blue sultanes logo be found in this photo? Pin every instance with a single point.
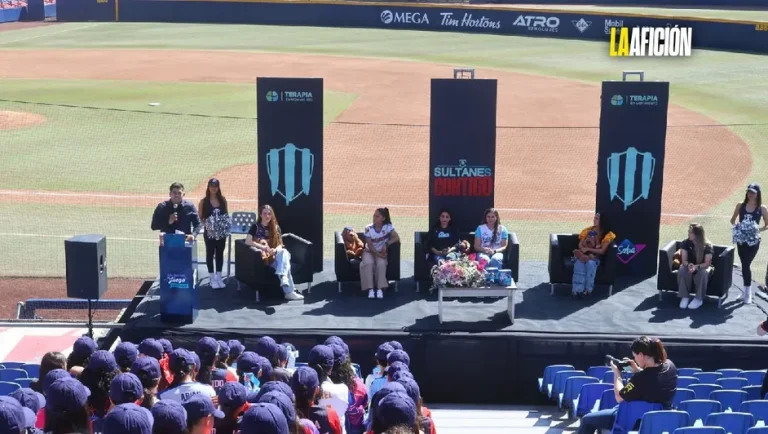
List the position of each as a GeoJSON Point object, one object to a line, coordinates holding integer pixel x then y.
{"type": "Point", "coordinates": [627, 251]}
{"type": "Point", "coordinates": [290, 160]}
{"type": "Point", "coordinates": [630, 157]}
{"type": "Point", "coordinates": [272, 96]}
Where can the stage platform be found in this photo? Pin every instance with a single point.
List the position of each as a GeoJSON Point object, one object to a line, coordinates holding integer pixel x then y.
{"type": "Point", "coordinates": [477, 333]}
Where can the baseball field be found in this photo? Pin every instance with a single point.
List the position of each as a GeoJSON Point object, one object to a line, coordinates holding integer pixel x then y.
{"type": "Point", "coordinates": [97, 119]}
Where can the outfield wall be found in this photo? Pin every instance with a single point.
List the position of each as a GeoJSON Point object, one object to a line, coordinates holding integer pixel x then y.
{"type": "Point", "coordinates": [707, 33]}
{"type": "Point", "coordinates": [758, 4]}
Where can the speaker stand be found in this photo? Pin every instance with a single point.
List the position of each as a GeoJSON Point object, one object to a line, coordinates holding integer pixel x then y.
{"type": "Point", "coordinates": [90, 319]}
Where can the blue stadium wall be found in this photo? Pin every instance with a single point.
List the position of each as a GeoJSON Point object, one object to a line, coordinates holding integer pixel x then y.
{"type": "Point", "coordinates": [707, 33]}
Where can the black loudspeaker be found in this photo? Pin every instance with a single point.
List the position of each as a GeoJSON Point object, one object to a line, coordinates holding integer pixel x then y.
{"type": "Point", "coordinates": [86, 257]}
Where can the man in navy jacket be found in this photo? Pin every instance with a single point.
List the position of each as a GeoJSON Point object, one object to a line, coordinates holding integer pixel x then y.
{"type": "Point", "coordinates": [177, 214]}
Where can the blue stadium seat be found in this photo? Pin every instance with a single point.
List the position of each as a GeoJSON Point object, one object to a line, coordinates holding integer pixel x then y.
{"type": "Point", "coordinates": [545, 382]}
{"type": "Point", "coordinates": [24, 382]}
{"type": "Point", "coordinates": [33, 370]}
{"type": "Point", "coordinates": [734, 423]}
{"type": "Point", "coordinates": [589, 397]}
{"type": "Point", "coordinates": [658, 422]}
{"type": "Point", "coordinates": [608, 399]}
{"type": "Point", "coordinates": [708, 377]}
{"type": "Point", "coordinates": [753, 393]}
{"type": "Point", "coordinates": [12, 365]}
{"type": "Point", "coordinates": [730, 400]}
{"type": "Point", "coordinates": [12, 374]}
{"type": "Point", "coordinates": [6, 388]}
{"type": "Point", "coordinates": [682, 395]}
{"type": "Point", "coordinates": [572, 389]}
{"type": "Point", "coordinates": [684, 382]}
{"type": "Point", "coordinates": [608, 377]}
{"type": "Point", "coordinates": [598, 371]}
{"type": "Point", "coordinates": [758, 409]}
{"type": "Point", "coordinates": [730, 373]}
{"type": "Point", "coordinates": [755, 378]}
{"type": "Point", "coordinates": [699, 410]}
{"type": "Point", "coordinates": [733, 383]}
{"type": "Point", "coordinates": [703, 391]}
{"type": "Point", "coordinates": [687, 372]}
{"type": "Point", "coordinates": [701, 430]}
{"type": "Point", "coordinates": [558, 385]}
{"type": "Point", "coordinates": [630, 413]}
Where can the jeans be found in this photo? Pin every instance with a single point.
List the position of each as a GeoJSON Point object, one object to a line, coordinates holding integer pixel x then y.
{"type": "Point", "coordinates": [747, 254]}
{"type": "Point", "coordinates": [214, 248]}
{"type": "Point", "coordinates": [493, 261]}
{"type": "Point", "coordinates": [602, 419]}
{"type": "Point", "coordinates": [282, 266]}
{"type": "Point", "coordinates": [584, 275]}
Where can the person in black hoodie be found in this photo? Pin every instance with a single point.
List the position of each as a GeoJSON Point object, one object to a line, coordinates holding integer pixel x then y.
{"type": "Point", "coordinates": [443, 238]}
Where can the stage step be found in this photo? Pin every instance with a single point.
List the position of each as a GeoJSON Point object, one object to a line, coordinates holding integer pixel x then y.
{"type": "Point", "coordinates": [462, 419]}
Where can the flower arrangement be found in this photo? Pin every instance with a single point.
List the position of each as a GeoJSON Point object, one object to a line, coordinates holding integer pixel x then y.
{"type": "Point", "coordinates": [463, 272]}
{"type": "Point", "coordinates": [746, 232]}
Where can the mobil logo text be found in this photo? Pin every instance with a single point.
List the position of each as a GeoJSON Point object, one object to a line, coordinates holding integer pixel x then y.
{"type": "Point", "coordinates": [462, 180]}
{"type": "Point", "coordinates": [538, 23]}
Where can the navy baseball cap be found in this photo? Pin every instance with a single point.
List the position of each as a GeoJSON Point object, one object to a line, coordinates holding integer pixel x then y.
{"type": "Point", "coordinates": [128, 419]}
{"type": "Point", "coordinates": [152, 348]}
{"type": "Point", "coordinates": [196, 358]}
{"type": "Point", "coordinates": [125, 388]}
{"type": "Point", "coordinates": [170, 417]}
{"type": "Point", "coordinates": [13, 417]}
{"type": "Point", "coordinates": [232, 395]}
{"type": "Point", "coordinates": [102, 361]}
{"type": "Point", "coordinates": [395, 409]}
{"type": "Point", "coordinates": [213, 181]}
{"type": "Point", "coordinates": [146, 367]}
{"type": "Point", "coordinates": [223, 350]}
{"type": "Point", "coordinates": [398, 356]}
{"type": "Point", "coordinates": [249, 362]}
{"type": "Point", "coordinates": [282, 402]}
{"type": "Point", "coordinates": [52, 376]}
{"type": "Point", "coordinates": [321, 355]}
{"type": "Point", "coordinates": [338, 341]}
{"type": "Point", "coordinates": [28, 398]}
{"type": "Point", "coordinates": [266, 347]}
{"type": "Point", "coordinates": [383, 351]}
{"type": "Point", "coordinates": [396, 345]}
{"type": "Point", "coordinates": [66, 394]}
{"type": "Point", "coordinates": [84, 347]}
{"type": "Point", "coordinates": [167, 347]}
{"type": "Point", "coordinates": [282, 353]}
{"type": "Point", "coordinates": [272, 386]}
{"type": "Point", "coordinates": [235, 348]}
{"type": "Point", "coordinates": [181, 360]}
{"type": "Point", "coordinates": [754, 187]}
{"type": "Point", "coordinates": [200, 406]}
{"type": "Point", "coordinates": [266, 367]}
{"type": "Point", "coordinates": [411, 388]}
{"type": "Point", "coordinates": [304, 382]}
{"type": "Point", "coordinates": [396, 367]}
{"type": "Point", "coordinates": [339, 354]}
{"type": "Point", "coordinates": [401, 374]}
{"type": "Point", "coordinates": [125, 354]}
{"type": "Point", "coordinates": [264, 418]}
{"type": "Point", "coordinates": [207, 347]}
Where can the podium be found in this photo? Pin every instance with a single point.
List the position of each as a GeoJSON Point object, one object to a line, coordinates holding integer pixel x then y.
{"type": "Point", "coordinates": [179, 300]}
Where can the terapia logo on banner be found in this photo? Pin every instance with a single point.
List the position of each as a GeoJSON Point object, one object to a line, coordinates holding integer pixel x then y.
{"type": "Point", "coordinates": [462, 180]}
{"type": "Point", "coordinates": [634, 100]}
{"type": "Point", "coordinates": [627, 251]}
{"type": "Point", "coordinates": [289, 96]}
{"type": "Point", "coordinates": [629, 160]}
{"type": "Point", "coordinates": [284, 166]}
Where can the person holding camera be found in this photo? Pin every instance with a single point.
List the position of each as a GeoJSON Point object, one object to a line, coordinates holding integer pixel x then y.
{"type": "Point", "coordinates": [654, 380]}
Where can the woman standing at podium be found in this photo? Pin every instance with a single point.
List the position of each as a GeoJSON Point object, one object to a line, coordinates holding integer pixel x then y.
{"type": "Point", "coordinates": [215, 216]}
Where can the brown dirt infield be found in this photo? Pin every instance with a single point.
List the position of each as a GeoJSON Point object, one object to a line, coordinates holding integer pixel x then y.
{"type": "Point", "coordinates": [10, 120]}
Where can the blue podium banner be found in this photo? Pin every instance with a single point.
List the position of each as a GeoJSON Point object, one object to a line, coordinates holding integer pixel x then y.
{"type": "Point", "coordinates": [179, 300]}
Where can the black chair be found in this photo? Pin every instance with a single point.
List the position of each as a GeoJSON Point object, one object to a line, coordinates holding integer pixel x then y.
{"type": "Point", "coordinates": [349, 270]}
{"type": "Point", "coordinates": [561, 247]}
{"type": "Point", "coordinates": [250, 269]}
{"type": "Point", "coordinates": [422, 267]}
{"type": "Point", "coordinates": [719, 282]}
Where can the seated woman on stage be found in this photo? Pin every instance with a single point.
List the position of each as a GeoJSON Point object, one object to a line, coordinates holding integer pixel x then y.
{"type": "Point", "coordinates": [266, 236]}
{"type": "Point", "coordinates": [378, 236]}
{"type": "Point", "coordinates": [695, 264]}
{"type": "Point", "coordinates": [443, 238]}
{"type": "Point", "coordinates": [593, 243]}
{"type": "Point", "coordinates": [491, 239]}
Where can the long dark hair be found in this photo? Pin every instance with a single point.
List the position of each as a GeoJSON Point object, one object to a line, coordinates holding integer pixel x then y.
{"type": "Point", "coordinates": [274, 237]}
{"type": "Point", "coordinates": [181, 373]}
{"type": "Point", "coordinates": [77, 360]}
{"type": "Point", "coordinates": [759, 198]}
{"type": "Point", "coordinates": [651, 347]}
{"type": "Point", "coordinates": [344, 373]}
{"type": "Point", "coordinates": [51, 360]}
{"type": "Point", "coordinates": [321, 376]}
{"type": "Point", "coordinates": [98, 383]}
{"type": "Point", "coordinates": [205, 375]}
{"type": "Point", "coordinates": [495, 226]}
{"type": "Point", "coordinates": [68, 422]}
{"type": "Point", "coordinates": [205, 212]}
{"type": "Point", "coordinates": [437, 224]}
{"type": "Point", "coordinates": [384, 212]}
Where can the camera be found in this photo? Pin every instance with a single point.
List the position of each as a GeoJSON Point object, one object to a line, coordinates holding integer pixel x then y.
{"type": "Point", "coordinates": [621, 364]}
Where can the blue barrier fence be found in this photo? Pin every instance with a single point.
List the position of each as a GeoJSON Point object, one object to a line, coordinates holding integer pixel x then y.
{"type": "Point", "coordinates": [714, 34]}
{"type": "Point", "coordinates": [763, 4]}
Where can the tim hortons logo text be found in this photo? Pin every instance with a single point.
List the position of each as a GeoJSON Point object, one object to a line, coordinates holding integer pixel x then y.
{"type": "Point", "coordinates": [468, 21]}
{"type": "Point", "coordinates": [462, 180]}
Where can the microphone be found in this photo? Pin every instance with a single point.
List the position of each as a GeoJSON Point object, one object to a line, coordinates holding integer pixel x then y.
{"type": "Point", "coordinates": [175, 211]}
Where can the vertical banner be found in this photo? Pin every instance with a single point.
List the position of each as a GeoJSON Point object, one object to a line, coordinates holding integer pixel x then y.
{"type": "Point", "coordinates": [290, 153]}
{"type": "Point", "coordinates": [630, 169]}
{"type": "Point", "coordinates": [462, 149]}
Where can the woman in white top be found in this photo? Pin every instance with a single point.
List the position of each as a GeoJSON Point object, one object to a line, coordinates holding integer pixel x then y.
{"type": "Point", "coordinates": [491, 239]}
{"type": "Point", "coordinates": [378, 236]}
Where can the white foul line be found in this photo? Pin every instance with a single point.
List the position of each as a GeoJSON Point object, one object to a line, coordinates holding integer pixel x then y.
{"type": "Point", "coordinates": [51, 33]}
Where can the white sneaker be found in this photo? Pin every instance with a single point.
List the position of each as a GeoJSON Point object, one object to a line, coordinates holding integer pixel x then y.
{"type": "Point", "coordinates": [284, 281]}
{"type": "Point", "coordinates": [695, 304]}
{"type": "Point", "coordinates": [214, 282]}
{"type": "Point", "coordinates": [371, 294]}
{"type": "Point", "coordinates": [220, 280]}
{"type": "Point", "coordinates": [294, 296]}
{"type": "Point", "coordinates": [379, 294]}
{"type": "Point", "coordinates": [684, 302]}
{"type": "Point", "coordinates": [747, 295]}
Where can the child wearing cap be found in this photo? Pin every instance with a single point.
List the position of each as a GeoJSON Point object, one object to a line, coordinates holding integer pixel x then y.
{"type": "Point", "coordinates": [147, 370]}
{"type": "Point", "coordinates": [395, 410]}
{"type": "Point", "coordinates": [344, 373]}
{"type": "Point", "coordinates": [126, 388]}
{"type": "Point", "coordinates": [201, 414]}
{"type": "Point", "coordinates": [208, 349]}
{"type": "Point", "coordinates": [13, 417]}
{"type": "Point", "coordinates": [66, 407]}
{"type": "Point", "coordinates": [45, 384]}
{"type": "Point", "coordinates": [183, 387]}
{"type": "Point", "coordinates": [236, 349]}
{"type": "Point", "coordinates": [264, 418]}
{"type": "Point", "coordinates": [97, 377]}
{"type": "Point", "coordinates": [128, 419]}
{"type": "Point", "coordinates": [170, 418]}
{"type": "Point", "coordinates": [423, 414]}
{"type": "Point", "coordinates": [322, 358]}
{"type": "Point", "coordinates": [80, 355]}
{"type": "Point", "coordinates": [233, 403]}
{"type": "Point", "coordinates": [379, 378]}
{"type": "Point", "coordinates": [125, 354]}
{"type": "Point", "coordinates": [305, 384]}
{"type": "Point", "coordinates": [50, 361]}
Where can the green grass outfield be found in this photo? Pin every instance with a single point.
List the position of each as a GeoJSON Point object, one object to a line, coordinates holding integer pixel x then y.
{"type": "Point", "coordinates": [728, 87]}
